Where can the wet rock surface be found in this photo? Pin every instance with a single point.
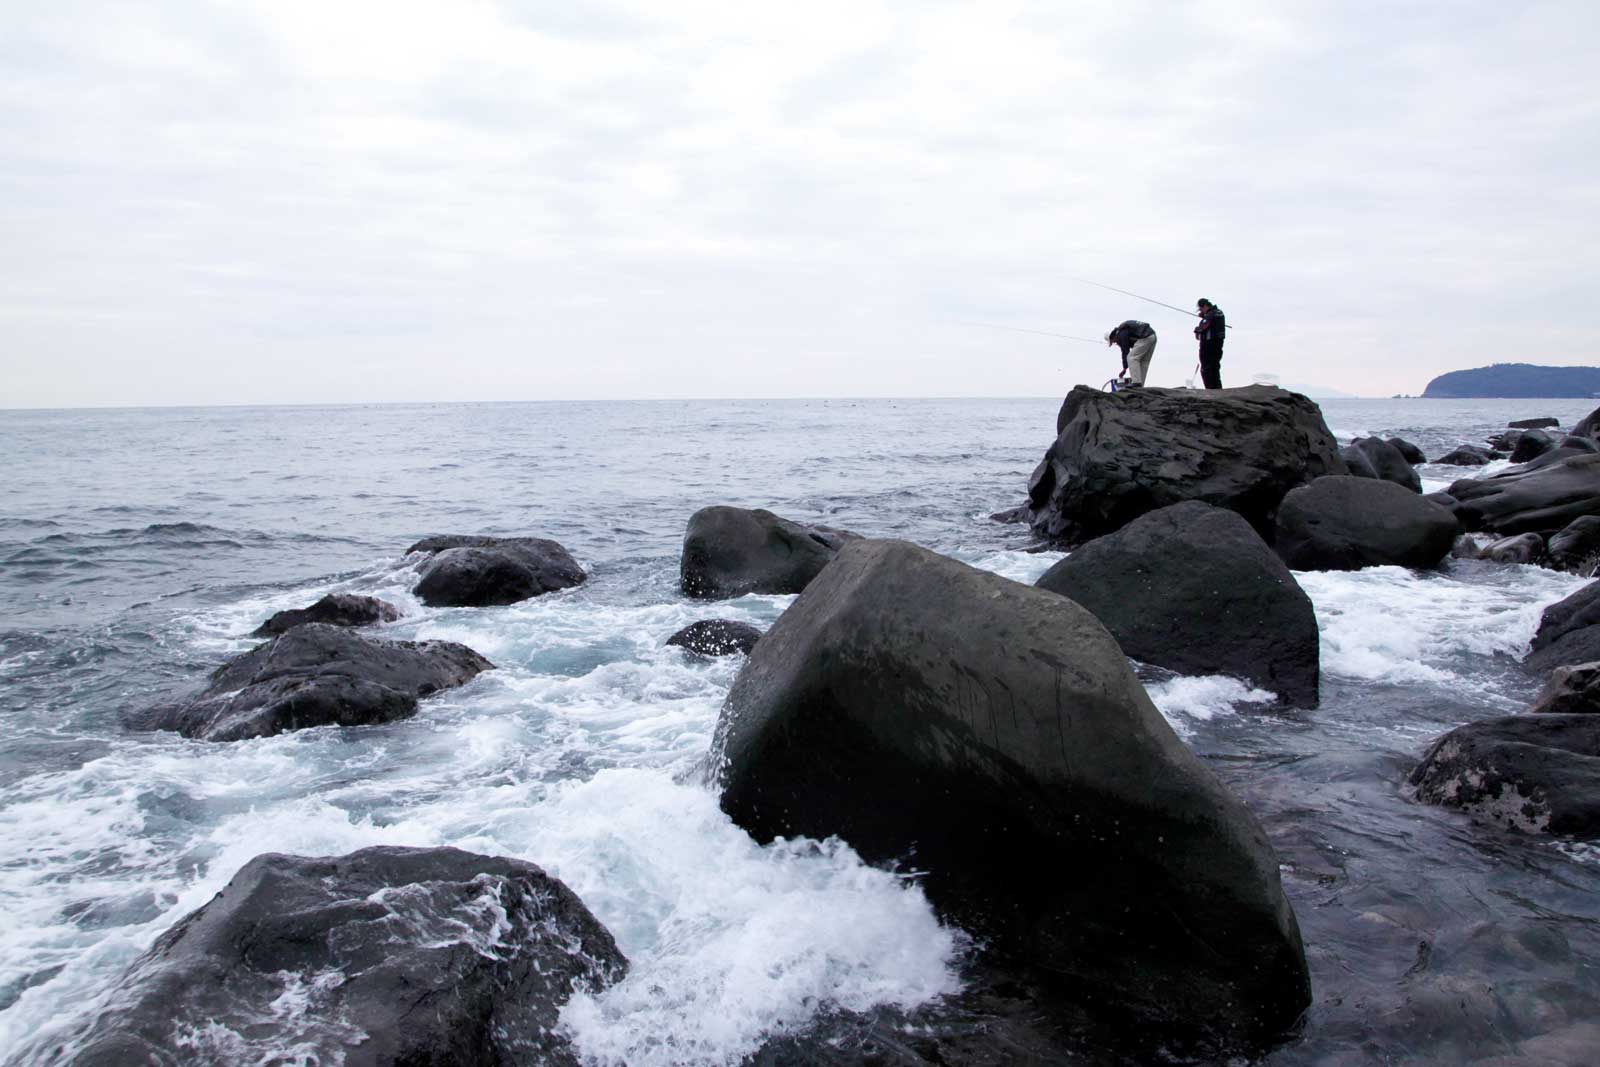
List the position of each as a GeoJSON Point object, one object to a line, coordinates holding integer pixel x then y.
{"type": "Point", "coordinates": [1373, 457]}
{"type": "Point", "coordinates": [716, 637]}
{"type": "Point", "coordinates": [386, 956]}
{"type": "Point", "coordinates": [1119, 455]}
{"type": "Point", "coordinates": [1540, 498]}
{"type": "Point", "coordinates": [994, 736]}
{"type": "Point", "coordinates": [1195, 589]}
{"type": "Point", "coordinates": [467, 571]}
{"type": "Point", "coordinates": [315, 675]}
{"type": "Point", "coordinates": [1568, 633]}
{"type": "Point", "coordinates": [1576, 546]}
{"type": "Point", "coordinates": [728, 552]}
{"type": "Point", "coordinates": [1573, 690]}
{"type": "Point", "coordinates": [335, 609]}
{"type": "Point", "coordinates": [1467, 456]}
{"type": "Point", "coordinates": [1345, 523]}
{"type": "Point", "coordinates": [1523, 548]}
{"type": "Point", "coordinates": [1530, 773]}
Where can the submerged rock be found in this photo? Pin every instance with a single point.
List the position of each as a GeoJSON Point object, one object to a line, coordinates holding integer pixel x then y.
{"type": "Point", "coordinates": [1345, 523]}
{"type": "Point", "coordinates": [335, 609]}
{"type": "Point", "coordinates": [1576, 546]}
{"type": "Point", "coordinates": [1372, 457]}
{"type": "Point", "coordinates": [1467, 456]}
{"type": "Point", "coordinates": [1540, 498]}
{"type": "Point", "coordinates": [1194, 589]}
{"type": "Point", "coordinates": [316, 675]}
{"type": "Point", "coordinates": [1119, 455]}
{"type": "Point", "coordinates": [728, 552]}
{"type": "Point", "coordinates": [1533, 773]}
{"type": "Point", "coordinates": [484, 571]}
{"type": "Point", "coordinates": [993, 736]}
{"type": "Point", "coordinates": [1573, 690]}
{"type": "Point", "coordinates": [716, 637]}
{"type": "Point", "coordinates": [1569, 632]}
{"type": "Point", "coordinates": [387, 957]}
{"type": "Point", "coordinates": [1523, 548]}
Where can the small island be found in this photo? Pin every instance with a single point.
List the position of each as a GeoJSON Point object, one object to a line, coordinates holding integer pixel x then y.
{"type": "Point", "coordinates": [1516, 380]}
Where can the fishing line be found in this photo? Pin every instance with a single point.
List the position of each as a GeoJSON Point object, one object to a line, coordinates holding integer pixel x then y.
{"type": "Point", "coordinates": [1046, 333]}
{"type": "Point", "coordinates": [1147, 299]}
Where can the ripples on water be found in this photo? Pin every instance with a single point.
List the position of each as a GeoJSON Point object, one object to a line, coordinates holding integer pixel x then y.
{"type": "Point", "coordinates": [139, 547]}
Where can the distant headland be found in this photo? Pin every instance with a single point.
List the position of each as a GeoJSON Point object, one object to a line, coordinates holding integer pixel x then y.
{"type": "Point", "coordinates": [1516, 380]}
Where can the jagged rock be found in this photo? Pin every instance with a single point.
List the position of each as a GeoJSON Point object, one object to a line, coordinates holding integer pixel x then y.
{"type": "Point", "coordinates": [1531, 445]}
{"type": "Point", "coordinates": [1523, 548]}
{"type": "Point", "coordinates": [335, 609]}
{"type": "Point", "coordinates": [1573, 690]}
{"type": "Point", "coordinates": [728, 552]}
{"type": "Point", "coordinates": [1119, 455]}
{"type": "Point", "coordinates": [1345, 523]}
{"type": "Point", "coordinates": [467, 571]}
{"type": "Point", "coordinates": [1411, 452]}
{"type": "Point", "coordinates": [716, 637]}
{"type": "Point", "coordinates": [993, 736]}
{"type": "Point", "coordinates": [315, 675]}
{"type": "Point", "coordinates": [1533, 773]}
{"type": "Point", "coordinates": [1467, 456]}
{"type": "Point", "coordinates": [387, 957]}
{"type": "Point", "coordinates": [1195, 589]}
{"type": "Point", "coordinates": [1576, 546]}
{"type": "Point", "coordinates": [1533, 424]}
{"type": "Point", "coordinates": [1539, 498]}
{"type": "Point", "coordinates": [1372, 457]}
{"type": "Point", "coordinates": [1569, 632]}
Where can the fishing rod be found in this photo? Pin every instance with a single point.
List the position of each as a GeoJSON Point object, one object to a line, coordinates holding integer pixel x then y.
{"type": "Point", "coordinates": [1149, 300]}
{"type": "Point", "coordinates": [1045, 333]}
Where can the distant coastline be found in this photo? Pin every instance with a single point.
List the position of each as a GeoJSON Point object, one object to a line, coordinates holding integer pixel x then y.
{"type": "Point", "coordinates": [1515, 380]}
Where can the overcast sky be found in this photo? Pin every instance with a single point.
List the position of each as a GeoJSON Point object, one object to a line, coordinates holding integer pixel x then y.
{"type": "Point", "coordinates": [341, 200]}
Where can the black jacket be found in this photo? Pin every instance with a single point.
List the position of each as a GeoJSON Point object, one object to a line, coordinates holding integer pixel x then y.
{"type": "Point", "coordinates": [1127, 333]}
{"type": "Point", "coordinates": [1212, 329]}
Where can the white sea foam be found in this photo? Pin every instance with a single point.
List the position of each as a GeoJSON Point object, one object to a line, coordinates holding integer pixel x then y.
{"type": "Point", "coordinates": [1019, 566]}
{"type": "Point", "coordinates": [1185, 700]}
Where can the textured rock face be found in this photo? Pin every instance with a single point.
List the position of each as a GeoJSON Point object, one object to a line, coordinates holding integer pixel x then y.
{"type": "Point", "coordinates": [1540, 498]}
{"type": "Point", "coordinates": [993, 736]}
{"type": "Point", "coordinates": [485, 571]}
{"type": "Point", "coordinates": [1569, 632]}
{"type": "Point", "coordinates": [1576, 547]}
{"type": "Point", "coordinates": [1372, 457]}
{"type": "Point", "coordinates": [1120, 455]}
{"type": "Point", "coordinates": [1193, 588]}
{"type": "Point", "coordinates": [387, 956]}
{"type": "Point", "coordinates": [728, 552]}
{"type": "Point", "coordinates": [335, 609]}
{"type": "Point", "coordinates": [1345, 523]}
{"type": "Point", "coordinates": [1573, 690]}
{"type": "Point", "coordinates": [1534, 773]}
{"type": "Point", "coordinates": [716, 637]}
{"type": "Point", "coordinates": [316, 675]}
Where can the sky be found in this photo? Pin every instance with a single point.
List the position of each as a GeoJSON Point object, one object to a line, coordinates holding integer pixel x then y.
{"type": "Point", "coordinates": [332, 201]}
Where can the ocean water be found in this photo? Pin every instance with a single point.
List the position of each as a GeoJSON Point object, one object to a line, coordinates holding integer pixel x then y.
{"type": "Point", "coordinates": [139, 547]}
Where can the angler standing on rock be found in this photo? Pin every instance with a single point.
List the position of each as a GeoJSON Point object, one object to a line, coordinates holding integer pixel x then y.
{"type": "Point", "coordinates": [1138, 343]}
{"type": "Point", "coordinates": [1210, 331]}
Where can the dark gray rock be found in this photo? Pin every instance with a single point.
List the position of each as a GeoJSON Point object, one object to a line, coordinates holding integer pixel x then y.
{"type": "Point", "coordinates": [1119, 455]}
{"type": "Point", "coordinates": [390, 957]}
{"type": "Point", "coordinates": [483, 571]}
{"type": "Point", "coordinates": [335, 609]}
{"type": "Point", "coordinates": [1195, 589]}
{"type": "Point", "coordinates": [1467, 547]}
{"type": "Point", "coordinates": [315, 675]}
{"type": "Point", "coordinates": [1531, 445]}
{"type": "Point", "coordinates": [1570, 443]}
{"type": "Point", "coordinates": [1523, 548]}
{"type": "Point", "coordinates": [1505, 440]}
{"type": "Point", "coordinates": [994, 737]}
{"type": "Point", "coordinates": [1345, 523]}
{"type": "Point", "coordinates": [1020, 513]}
{"type": "Point", "coordinates": [1573, 690]}
{"type": "Point", "coordinates": [1539, 498]}
{"type": "Point", "coordinates": [728, 552]}
{"type": "Point", "coordinates": [1533, 773]}
{"type": "Point", "coordinates": [1533, 424]}
{"type": "Point", "coordinates": [1372, 457]}
{"type": "Point", "coordinates": [1586, 426]}
{"type": "Point", "coordinates": [1576, 546]}
{"type": "Point", "coordinates": [1467, 456]}
{"type": "Point", "coordinates": [1568, 634]}
{"type": "Point", "coordinates": [716, 637]}
{"type": "Point", "coordinates": [1411, 452]}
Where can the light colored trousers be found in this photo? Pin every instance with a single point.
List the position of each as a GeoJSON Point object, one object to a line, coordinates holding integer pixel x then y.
{"type": "Point", "coordinates": [1139, 358]}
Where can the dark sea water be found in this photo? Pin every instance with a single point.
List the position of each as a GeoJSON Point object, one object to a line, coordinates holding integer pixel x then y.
{"type": "Point", "coordinates": [138, 547]}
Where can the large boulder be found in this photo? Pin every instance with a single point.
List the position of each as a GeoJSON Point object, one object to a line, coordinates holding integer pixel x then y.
{"type": "Point", "coordinates": [1569, 632]}
{"type": "Point", "coordinates": [1119, 455]}
{"type": "Point", "coordinates": [1587, 426]}
{"type": "Point", "coordinates": [1534, 773]}
{"type": "Point", "coordinates": [994, 737]}
{"type": "Point", "coordinates": [728, 552]}
{"type": "Point", "coordinates": [716, 637]}
{"type": "Point", "coordinates": [1539, 498]}
{"type": "Point", "coordinates": [1531, 445]}
{"type": "Point", "coordinates": [315, 675]}
{"type": "Point", "coordinates": [1345, 523]}
{"type": "Point", "coordinates": [1578, 444]}
{"type": "Point", "coordinates": [465, 571]}
{"type": "Point", "coordinates": [1195, 589]}
{"type": "Point", "coordinates": [1411, 452]}
{"type": "Point", "coordinates": [335, 609]}
{"type": "Point", "coordinates": [1467, 456]}
{"type": "Point", "coordinates": [410, 957]}
{"type": "Point", "coordinates": [1576, 546]}
{"type": "Point", "coordinates": [1373, 457]}
{"type": "Point", "coordinates": [1573, 690]}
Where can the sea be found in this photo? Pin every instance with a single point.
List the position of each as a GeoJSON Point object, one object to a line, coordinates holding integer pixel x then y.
{"type": "Point", "coordinates": [138, 549]}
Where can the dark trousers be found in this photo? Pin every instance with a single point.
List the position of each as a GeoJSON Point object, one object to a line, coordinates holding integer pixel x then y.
{"type": "Point", "coordinates": [1211, 365]}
